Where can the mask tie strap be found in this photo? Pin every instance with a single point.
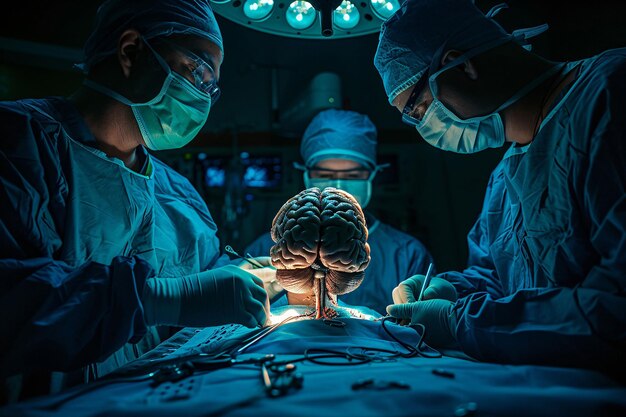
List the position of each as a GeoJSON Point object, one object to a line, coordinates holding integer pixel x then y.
{"type": "Point", "coordinates": [531, 86]}
{"type": "Point", "coordinates": [493, 12]}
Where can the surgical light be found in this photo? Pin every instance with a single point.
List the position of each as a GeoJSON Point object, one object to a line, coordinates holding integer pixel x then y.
{"type": "Point", "coordinates": [346, 16]}
{"type": "Point", "coordinates": [300, 14]}
{"type": "Point", "coordinates": [308, 19]}
{"type": "Point", "coordinates": [258, 9]}
{"type": "Point", "coordinates": [385, 8]}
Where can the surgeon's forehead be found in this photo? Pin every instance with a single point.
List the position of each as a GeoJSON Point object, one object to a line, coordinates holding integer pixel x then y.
{"type": "Point", "coordinates": [338, 164]}
{"type": "Point", "coordinates": [400, 101]}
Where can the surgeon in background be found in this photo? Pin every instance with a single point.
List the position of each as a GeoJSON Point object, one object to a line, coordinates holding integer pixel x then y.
{"type": "Point", "coordinates": [339, 150]}
{"type": "Point", "coordinates": [99, 240]}
{"type": "Point", "coordinates": [546, 282]}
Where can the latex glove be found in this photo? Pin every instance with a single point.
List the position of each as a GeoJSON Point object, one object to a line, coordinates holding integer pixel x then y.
{"type": "Point", "coordinates": [437, 317]}
{"type": "Point", "coordinates": [267, 275]}
{"type": "Point", "coordinates": [219, 296]}
{"type": "Point", "coordinates": [409, 290]}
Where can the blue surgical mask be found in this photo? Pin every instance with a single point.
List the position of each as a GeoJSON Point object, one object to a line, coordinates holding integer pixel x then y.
{"type": "Point", "coordinates": [172, 118]}
{"type": "Point", "coordinates": [361, 189]}
{"type": "Point", "coordinates": [443, 129]}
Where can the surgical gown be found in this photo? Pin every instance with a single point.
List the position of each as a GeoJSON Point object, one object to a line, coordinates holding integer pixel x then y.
{"type": "Point", "coordinates": [547, 277]}
{"type": "Point", "coordinates": [79, 235]}
{"type": "Point", "coordinates": [395, 257]}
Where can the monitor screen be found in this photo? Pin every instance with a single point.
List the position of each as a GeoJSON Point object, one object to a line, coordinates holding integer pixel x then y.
{"type": "Point", "coordinates": [214, 172]}
{"type": "Point", "coordinates": [263, 172]}
{"type": "Point", "coordinates": [258, 171]}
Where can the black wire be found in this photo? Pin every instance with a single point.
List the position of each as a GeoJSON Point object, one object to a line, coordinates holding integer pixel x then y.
{"type": "Point", "coordinates": [413, 350]}
{"type": "Point", "coordinates": [333, 354]}
{"type": "Point", "coordinates": [373, 354]}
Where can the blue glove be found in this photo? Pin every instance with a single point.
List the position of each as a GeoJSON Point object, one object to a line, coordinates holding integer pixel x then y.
{"type": "Point", "coordinates": [437, 317]}
{"type": "Point", "coordinates": [409, 290]}
{"type": "Point", "coordinates": [219, 296]}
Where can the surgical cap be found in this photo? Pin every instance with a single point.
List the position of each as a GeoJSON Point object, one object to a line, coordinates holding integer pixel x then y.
{"type": "Point", "coordinates": [339, 134]}
{"type": "Point", "coordinates": [151, 18]}
{"type": "Point", "coordinates": [411, 37]}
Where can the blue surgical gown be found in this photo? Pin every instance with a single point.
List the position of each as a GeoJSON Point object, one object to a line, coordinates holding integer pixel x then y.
{"type": "Point", "coordinates": [79, 235]}
{"type": "Point", "coordinates": [546, 281]}
{"type": "Point", "coordinates": [395, 257]}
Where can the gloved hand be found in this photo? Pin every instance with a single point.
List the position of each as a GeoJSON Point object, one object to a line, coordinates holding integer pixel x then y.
{"type": "Point", "coordinates": [219, 296]}
{"type": "Point", "coordinates": [409, 290]}
{"type": "Point", "coordinates": [267, 275]}
{"type": "Point", "coordinates": [437, 317]}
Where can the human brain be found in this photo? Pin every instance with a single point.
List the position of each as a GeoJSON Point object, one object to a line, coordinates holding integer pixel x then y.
{"type": "Point", "coordinates": [320, 230]}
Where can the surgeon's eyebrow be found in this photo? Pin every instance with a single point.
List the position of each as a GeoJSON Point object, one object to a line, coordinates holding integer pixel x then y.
{"type": "Point", "coordinates": [207, 57]}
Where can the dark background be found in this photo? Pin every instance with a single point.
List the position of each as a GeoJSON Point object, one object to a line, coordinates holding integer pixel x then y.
{"type": "Point", "coordinates": [432, 195]}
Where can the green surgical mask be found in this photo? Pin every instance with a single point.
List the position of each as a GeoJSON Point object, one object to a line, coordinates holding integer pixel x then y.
{"type": "Point", "coordinates": [172, 118]}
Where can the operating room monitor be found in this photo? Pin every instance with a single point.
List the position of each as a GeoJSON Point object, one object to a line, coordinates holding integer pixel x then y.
{"type": "Point", "coordinates": [261, 172]}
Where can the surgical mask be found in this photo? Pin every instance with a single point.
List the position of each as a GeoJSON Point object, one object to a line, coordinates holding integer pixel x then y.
{"type": "Point", "coordinates": [361, 189]}
{"type": "Point", "coordinates": [172, 118]}
{"type": "Point", "coordinates": [443, 129]}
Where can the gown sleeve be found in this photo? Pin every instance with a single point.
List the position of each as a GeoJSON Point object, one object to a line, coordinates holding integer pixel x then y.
{"type": "Point", "coordinates": [55, 316]}
{"type": "Point", "coordinates": [481, 274]}
{"type": "Point", "coordinates": [583, 325]}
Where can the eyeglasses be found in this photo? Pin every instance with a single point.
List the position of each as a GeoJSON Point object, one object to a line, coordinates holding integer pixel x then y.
{"type": "Point", "coordinates": [203, 73]}
{"type": "Point", "coordinates": [358, 173]}
{"type": "Point", "coordinates": [409, 112]}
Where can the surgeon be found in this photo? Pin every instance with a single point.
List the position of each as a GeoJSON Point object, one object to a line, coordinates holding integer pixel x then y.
{"type": "Point", "coordinates": [546, 282]}
{"type": "Point", "coordinates": [339, 150]}
{"type": "Point", "coordinates": [99, 240]}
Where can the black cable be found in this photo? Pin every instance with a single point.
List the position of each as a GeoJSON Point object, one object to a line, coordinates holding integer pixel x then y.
{"type": "Point", "coordinates": [332, 354]}
{"type": "Point", "coordinates": [413, 350]}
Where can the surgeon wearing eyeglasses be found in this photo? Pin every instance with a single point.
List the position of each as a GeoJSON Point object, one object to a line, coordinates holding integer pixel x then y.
{"type": "Point", "coordinates": [546, 276]}
{"type": "Point", "coordinates": [100, 242]}
{"type": "Point", "coordinates": [339, 150]}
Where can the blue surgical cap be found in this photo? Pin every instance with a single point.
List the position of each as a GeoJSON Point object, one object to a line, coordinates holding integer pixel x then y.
{"type": "Point", "coordinates": [339, 134]}
{"type": "Point", "coordinates": [151, 18]}
{"type": "Point", "coordinates": [411, 37]}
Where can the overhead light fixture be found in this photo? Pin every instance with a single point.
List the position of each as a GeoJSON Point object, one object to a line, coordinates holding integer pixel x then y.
{"type": "Point", "coordinates": [385, 8]}
{"type": "Point", "coordinates": [346, 16]}
{"type": "Point", "coordinates": [300, 15]}
{"type": "Point", "coordinates": [311, 19]}
{"type": "Point", "coordinates": [258, 10]}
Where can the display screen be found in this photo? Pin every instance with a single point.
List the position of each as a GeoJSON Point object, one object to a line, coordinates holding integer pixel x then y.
{"type": "Point", "coordinates": [263, 172]}
{"type": "Point", "coordinates": [214, 172]}
{"type": "Point", "coordinates": [258, 171]}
